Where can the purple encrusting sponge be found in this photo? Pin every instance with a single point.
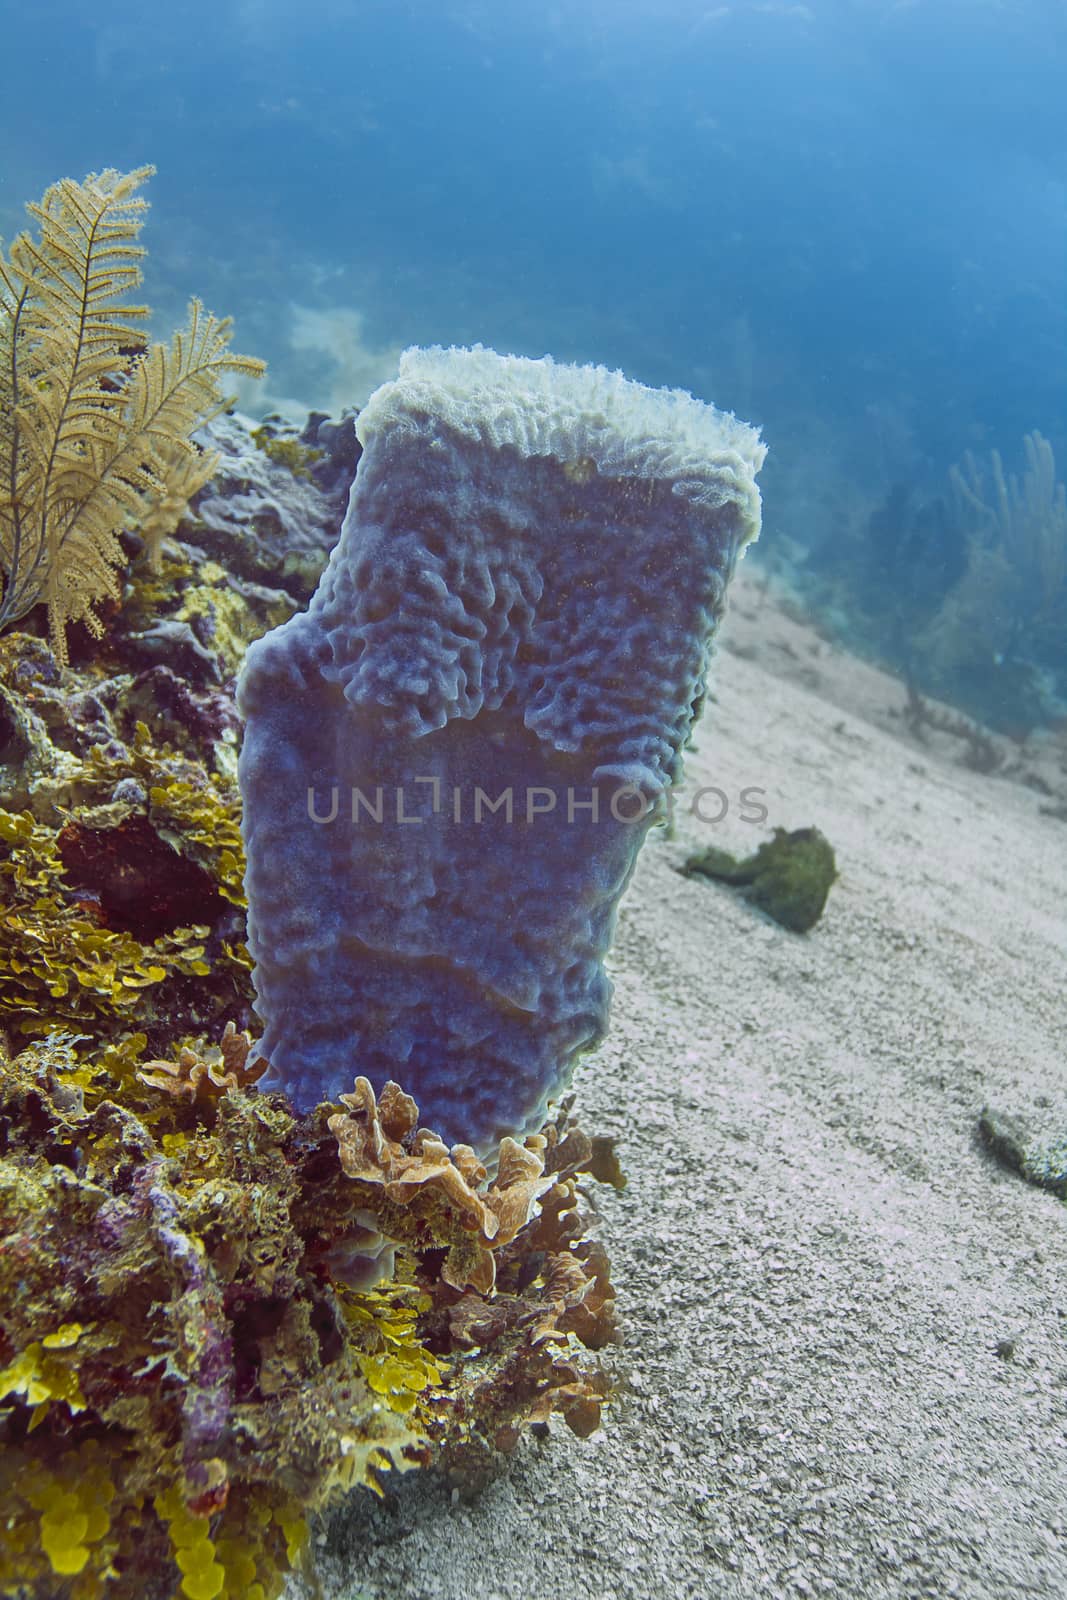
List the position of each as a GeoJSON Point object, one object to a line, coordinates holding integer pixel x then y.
{"type": "Point", "coordinates": [452, 758]}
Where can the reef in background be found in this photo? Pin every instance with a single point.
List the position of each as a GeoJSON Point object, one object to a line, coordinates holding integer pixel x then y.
{"type": "Point", "coordinates": [962, 591]}
{"type": "Point", "coordinates": [215, 1315]}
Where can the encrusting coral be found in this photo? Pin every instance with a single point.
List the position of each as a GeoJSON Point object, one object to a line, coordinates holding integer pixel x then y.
{"type": "Point", "coordinates": [95, 422]}
{"type": "Point", "coordinates": [187, 1366]}
{"type": "Point", "coordinates": [205, 1076]}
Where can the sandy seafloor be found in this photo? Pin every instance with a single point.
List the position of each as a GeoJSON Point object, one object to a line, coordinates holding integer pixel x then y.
{"type": "Point", "coordinates": [816, 1259]}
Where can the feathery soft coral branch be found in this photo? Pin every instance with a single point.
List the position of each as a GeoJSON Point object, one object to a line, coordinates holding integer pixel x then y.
{"type": "Point", "coordinates": [95, 422]}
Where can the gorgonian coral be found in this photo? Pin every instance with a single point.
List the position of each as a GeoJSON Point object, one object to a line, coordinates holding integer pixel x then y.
{"type": "Point", "coordinates": [95, 422]}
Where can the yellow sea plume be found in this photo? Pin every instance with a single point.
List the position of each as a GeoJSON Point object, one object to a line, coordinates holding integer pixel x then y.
{"type": "Point", "coordinates": [95, 421]}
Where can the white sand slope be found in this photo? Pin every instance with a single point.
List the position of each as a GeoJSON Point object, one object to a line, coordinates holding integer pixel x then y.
{"type": "Point", "coordinates": [816, 1258]}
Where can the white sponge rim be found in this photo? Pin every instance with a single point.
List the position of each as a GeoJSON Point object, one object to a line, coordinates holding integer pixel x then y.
{"type": "Point", "coordinates": [576, 415]}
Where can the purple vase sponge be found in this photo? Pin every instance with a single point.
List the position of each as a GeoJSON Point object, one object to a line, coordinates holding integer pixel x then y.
{"type": "Point", "coordinates": [452, 758]}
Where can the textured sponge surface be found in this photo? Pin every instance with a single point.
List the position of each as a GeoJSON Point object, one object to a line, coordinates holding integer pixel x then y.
{"type": "Point", "coordinates": [452, 759]}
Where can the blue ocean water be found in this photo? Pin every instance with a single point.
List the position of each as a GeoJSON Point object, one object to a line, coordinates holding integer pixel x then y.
{"type": "Point", "coordinates": [845, 221]}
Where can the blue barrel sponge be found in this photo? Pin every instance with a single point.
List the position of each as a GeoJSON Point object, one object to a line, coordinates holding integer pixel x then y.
{"type": "Point", "coordinates": [452, 758]}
